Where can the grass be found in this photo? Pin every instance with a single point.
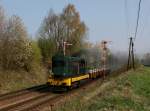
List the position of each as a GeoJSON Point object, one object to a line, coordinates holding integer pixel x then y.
{"type": "Point", "coordinates": [127, 92]}
{"type": "Point", "coordinates": [115, 103]}
{"type": "Point", "coordinates": [16, 80]}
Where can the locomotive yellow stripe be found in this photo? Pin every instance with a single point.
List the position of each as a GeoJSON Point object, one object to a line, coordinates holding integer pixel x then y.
{"type": "Point", "coordinates": [67, 81]}
{"type": "Point", "coordinates": [74, 79]}
{"type": "Point", "coordinates": [70, 80]}
{"type": "Point", "coordinates": [58, 82]}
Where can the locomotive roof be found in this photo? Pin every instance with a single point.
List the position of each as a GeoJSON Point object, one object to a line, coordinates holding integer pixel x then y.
{"type": "Point", "coordinates": [67, 58]}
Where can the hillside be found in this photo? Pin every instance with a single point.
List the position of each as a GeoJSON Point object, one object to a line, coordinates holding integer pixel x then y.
{"type": "Point", "coordinates": [19, 79]}
{"type": "Point", "coordinates": [129, 91]}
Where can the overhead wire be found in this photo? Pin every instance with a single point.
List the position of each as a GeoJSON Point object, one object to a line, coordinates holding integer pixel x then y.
{"type": "Point", "coordinates": [137, 21]}
{"type": "Point", "coordinates": [146, 21]}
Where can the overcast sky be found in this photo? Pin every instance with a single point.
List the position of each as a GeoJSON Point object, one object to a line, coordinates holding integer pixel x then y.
{"type": "Point", "coordinates": [112, 20]}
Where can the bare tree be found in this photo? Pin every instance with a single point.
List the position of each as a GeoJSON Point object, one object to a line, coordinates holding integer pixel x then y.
{"type": "Point", "coordinates": [48, 33]}
{"type": "Point", "coordinates": [57, 28]}
{"type": "Point", "coordinates": [75, 29]}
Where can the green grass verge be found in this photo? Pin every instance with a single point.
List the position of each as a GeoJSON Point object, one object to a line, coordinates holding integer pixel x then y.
{"type": "Point", "coordinates": [127, 92]}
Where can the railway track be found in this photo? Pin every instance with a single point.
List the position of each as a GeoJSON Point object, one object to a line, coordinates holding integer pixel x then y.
{"type": "Point", "coordinates": [57, 100]}
{"type": "Point", "coordinates": [40, 97]}
{"type": "Point", "coordinates": [15, 98]}
{"type": "Point", "coordinates": [28, 104]}
{"type": "Point", "coordinates": [36, 100]}
{"type": "Point", "coordinates": [21, 92]}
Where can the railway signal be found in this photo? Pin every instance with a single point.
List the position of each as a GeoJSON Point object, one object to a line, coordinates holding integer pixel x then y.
{"type": "Point", "coordinates": [104, 54]}
{"type": "Point", "coordinates": [64, 47]}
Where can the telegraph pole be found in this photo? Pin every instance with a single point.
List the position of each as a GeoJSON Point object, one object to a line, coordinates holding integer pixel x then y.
{"type": "Point", "coordinates": [132, 51]}
{"type": "Point", "coordinates": [129, 55]}
{"type": "Point", "coordinates": [131, 62]}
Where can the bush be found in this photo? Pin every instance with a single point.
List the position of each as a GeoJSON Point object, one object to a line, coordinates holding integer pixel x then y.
{"type": "Point", "coordinates": [36, 53]}
{"type": "Point", "coordinates": [16, 50]}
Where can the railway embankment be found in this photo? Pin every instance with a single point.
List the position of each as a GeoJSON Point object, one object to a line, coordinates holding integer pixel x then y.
{"type": "Point", "coordinates": [128, 91]}
{"type": "Point", "coordinates": [15, 80]}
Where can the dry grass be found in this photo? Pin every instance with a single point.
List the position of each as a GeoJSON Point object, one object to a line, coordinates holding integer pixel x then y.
{"type": "Point", "coordinates": [15, 80]}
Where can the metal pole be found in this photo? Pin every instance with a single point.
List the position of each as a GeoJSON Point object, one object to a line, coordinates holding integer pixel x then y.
{"type": "Point", "coordinates": [64, 48]}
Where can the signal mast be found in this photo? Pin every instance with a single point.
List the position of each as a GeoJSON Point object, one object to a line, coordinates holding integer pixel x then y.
{"type": "Point", "coordinates": [104, 55]}
{"type": "Point", "coordinates": [65, 44]}
{"type": "Point", "coordinates": [62, 46]}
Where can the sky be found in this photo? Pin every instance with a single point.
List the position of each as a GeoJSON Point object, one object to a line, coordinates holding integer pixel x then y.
{"type": "Point", "coordinates": [111, 20]}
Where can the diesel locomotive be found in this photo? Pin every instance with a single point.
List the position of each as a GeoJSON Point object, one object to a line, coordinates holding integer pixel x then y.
{"type": "Point", "coordinates": [69, 72]}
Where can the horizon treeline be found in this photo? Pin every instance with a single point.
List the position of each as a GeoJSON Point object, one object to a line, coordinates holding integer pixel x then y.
{"type": "Point", "coordinates": [19, 51]}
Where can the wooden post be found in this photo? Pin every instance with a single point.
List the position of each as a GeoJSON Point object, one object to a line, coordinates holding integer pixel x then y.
{"type": "Point", "coordinates": [131, 62]}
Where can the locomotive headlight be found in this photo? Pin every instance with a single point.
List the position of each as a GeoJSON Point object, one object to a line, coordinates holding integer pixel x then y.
{"type": "Point", "coordinates": [50, 74]}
